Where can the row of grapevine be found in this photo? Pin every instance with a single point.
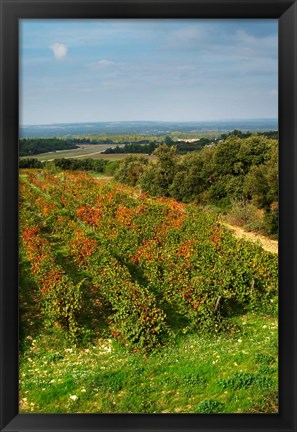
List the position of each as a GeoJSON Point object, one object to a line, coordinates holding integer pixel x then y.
{"type": "Point", "coordinates": [60, 297]}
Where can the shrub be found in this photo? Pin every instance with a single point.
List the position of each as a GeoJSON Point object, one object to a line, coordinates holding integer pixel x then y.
{"type": "Point", "coordinates": [247, 216]}
{"type": "Point", "coordinates": [209, 406]}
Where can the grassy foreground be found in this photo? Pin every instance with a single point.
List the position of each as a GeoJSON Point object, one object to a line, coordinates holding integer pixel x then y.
{"type": "Point", "coordinates": [220, 374]}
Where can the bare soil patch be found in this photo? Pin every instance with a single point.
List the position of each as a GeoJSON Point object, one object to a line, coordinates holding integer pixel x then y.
{"type": "Point", "coordinates": [266, 243]}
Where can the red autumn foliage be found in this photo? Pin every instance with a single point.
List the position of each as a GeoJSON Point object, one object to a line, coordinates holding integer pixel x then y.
{"type": "Point", "coordinates": [89, 215]}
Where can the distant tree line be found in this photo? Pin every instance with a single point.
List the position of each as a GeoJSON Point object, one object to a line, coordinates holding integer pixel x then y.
{"type": "Point", "coordinates": [133, 148]}
{"type": "Point", "coordinates": [240, 134]}
{"type": "Point", "coordinates": [138, 147]}
{"type": "Point", "coordinates": [234, 171]}
{"type": "Point", "coordinates": [182, 147]}
{"type": "Point", "coordinates": [33, 146]}
{"type": "Point", "coordinates": [89, 141]}
{"type": "Point", "coordinates": [96, 165]}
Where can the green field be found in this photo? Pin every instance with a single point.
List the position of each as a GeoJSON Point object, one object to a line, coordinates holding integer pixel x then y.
{"type": "Point", "coordinates": [232, 373]}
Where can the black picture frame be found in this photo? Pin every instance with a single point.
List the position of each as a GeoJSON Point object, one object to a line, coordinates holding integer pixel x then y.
{"type": "Point", "coordinates": [286, 12]}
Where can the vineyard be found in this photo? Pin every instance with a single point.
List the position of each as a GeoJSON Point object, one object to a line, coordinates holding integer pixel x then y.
{"type": "Point", "coordinates": [108, 262]}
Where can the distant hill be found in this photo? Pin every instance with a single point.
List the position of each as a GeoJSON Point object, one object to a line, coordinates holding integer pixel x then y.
{"type": "Point", "coordinates": [146, 128]}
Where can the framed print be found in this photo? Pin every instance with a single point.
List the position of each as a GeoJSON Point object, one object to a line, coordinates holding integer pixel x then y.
{"type": "Point", "coordinates": [148, 236]}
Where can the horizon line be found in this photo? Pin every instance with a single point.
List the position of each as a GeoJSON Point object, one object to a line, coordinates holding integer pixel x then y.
{"type": "Point", "coordinates": [150, 121]}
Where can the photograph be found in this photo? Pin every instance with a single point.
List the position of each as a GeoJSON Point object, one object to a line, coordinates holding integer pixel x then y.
{"type": "Point", "coordinates": [148, 216]}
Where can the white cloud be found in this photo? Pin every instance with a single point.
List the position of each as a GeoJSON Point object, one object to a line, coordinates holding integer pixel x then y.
{"type": "Point", "coordinates": [59, 50]}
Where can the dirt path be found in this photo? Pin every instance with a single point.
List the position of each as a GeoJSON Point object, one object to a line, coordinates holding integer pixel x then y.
{"type": "Point", "coordinates": [266, 243]}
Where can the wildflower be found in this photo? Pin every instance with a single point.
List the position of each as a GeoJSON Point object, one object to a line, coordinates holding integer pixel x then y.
{"type": "Point", "coordinates": [73, 397]}
{"type": "Point", "coordinates": [239, 341]}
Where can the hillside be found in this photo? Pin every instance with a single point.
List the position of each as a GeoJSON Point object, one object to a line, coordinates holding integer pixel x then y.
{"type": "Point", "coordinates": [113, 275]}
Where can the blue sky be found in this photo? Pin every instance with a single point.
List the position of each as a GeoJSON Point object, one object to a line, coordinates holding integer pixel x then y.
{"type": "Point", "coordinates": [171, 70]}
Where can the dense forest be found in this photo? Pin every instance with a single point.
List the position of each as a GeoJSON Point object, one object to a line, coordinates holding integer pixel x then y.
{"type": "Point", "coordinates": [235, 172]}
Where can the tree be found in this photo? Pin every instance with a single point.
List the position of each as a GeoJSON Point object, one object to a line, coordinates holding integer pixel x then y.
{"type": "Point", "coordinates": [168, 140]}
{"type": "Point", "coordinates": [159, 175]}
{"type": "Point", "coordinates": [131, 169]}
{"type": "Point", "coordinates": [261, 187]}
{"type": "Point", "coordinates": [188, 182]}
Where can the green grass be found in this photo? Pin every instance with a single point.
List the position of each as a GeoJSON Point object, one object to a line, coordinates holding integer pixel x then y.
{"type": "Point", "coordinates": [229, 373]}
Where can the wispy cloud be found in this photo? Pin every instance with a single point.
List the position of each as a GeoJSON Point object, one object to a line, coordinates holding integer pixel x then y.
{"type": "Point", "coordinates": [104, 63]}
{"type": "Point", "coordinates": [59, 50]}
{"type": "Point", "coordinates": [267, 42]}
{"type": "Point", "coordinates": [166, 69]}
{"type": "Point", "coordinates": [186, 37]}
